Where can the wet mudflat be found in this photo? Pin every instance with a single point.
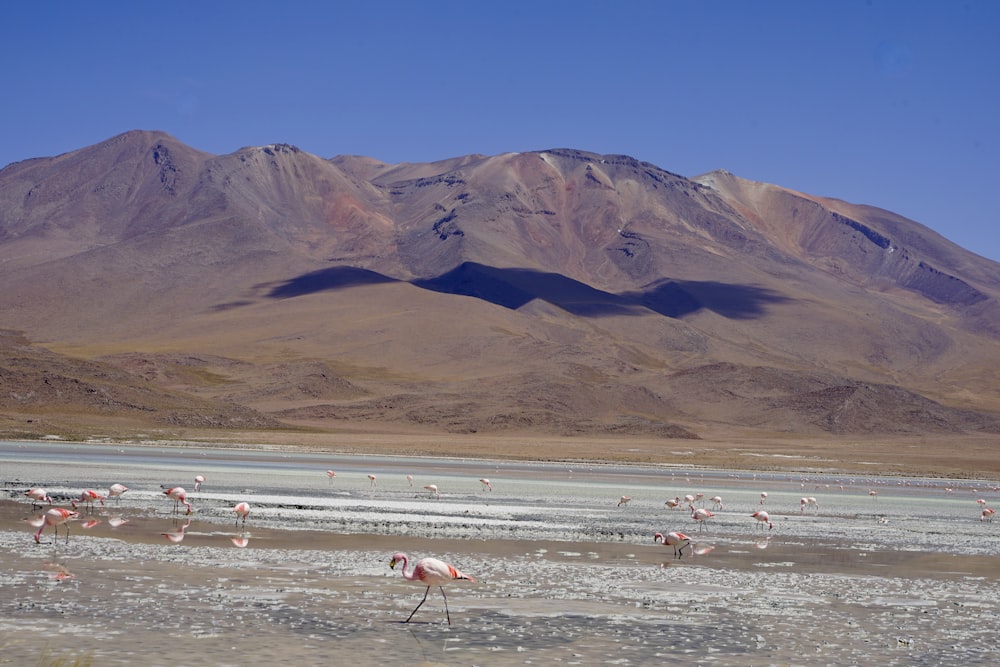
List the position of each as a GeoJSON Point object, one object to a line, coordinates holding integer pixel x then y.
{"type": "Point", "coordinates": [908, 576]}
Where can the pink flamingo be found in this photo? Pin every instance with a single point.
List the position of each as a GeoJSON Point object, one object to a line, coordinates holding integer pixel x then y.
{"type": "Point", "coordinates": [371, 478]}
{"type": "Point", "coordinates": [808, 502]}
{"type": "Point", "coordinates": [409, 480]}
{"type": "Point", "coordinates": [677, 540]}
{"type": "Point", "coordinates": [987, 515]}
{"type": "Point", "coordinates": [624, 500]}
{"type": "Point", "coordinates": [38, 496]}
{"type": "Point", "coordinates": [716, 503]}
{"type": "Point", "coordinates": [762, 518]}
{"type": "Point", "coordinates": [434, 490]}
{"type": "Point", "coordinates": [701, 516]}
{"type": "Point", "coordinates": [763, 497]}
{"type": "Point", "coordinates": [873, 494]}
{"type": "Point", "coordinates": [431, 572]}
{"type": "Point", "coordinates": [198, 481]}
{"type": "Point", "coordinates": [116, 490]}
{"type": "Point", "coordinates": [674, 503]}
{"type": "Point", "coordinates": [179, 496]}
{"type": "Point", "coordinates": [331, 474]}
{"type": "Point", "coordinates": [486, 484]}
{"type": "Point", "coordinates": [242, 510]}
{"type": "Point", "coordinates": [55, 517]}
{"type": "Point", "coordinates": [87, 498]}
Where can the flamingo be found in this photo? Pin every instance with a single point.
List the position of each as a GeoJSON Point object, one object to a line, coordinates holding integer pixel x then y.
{"type": "Point", "coordinates": [242, 510]}
{"type": "Point", "coordinates": [88, 497]}
{"type": "Point", "coordinates": [486, 484]}
{"type": "Point", "coordinates": [808, 502]}
{"type": "Point", "coordinates": [434, 490]}
{"type": "Point", "coordinates": [716, 503]}
{"type": "Point", "coordinates": [409, 480]}
{"type": "Point", "coordinates": [371, 478]}
{"type": "Point", "coordinates": [674, 503]}
{"type": "Point", "coordinates": [331, 474]}
{"type": "Point", "coordinates": [981, 501]}
{"type": "Point", "coordinates": [429, 571]}
{"type": "Point", "coordinates": [38, 496]}
{"type": "Point", "coordinates": [55, 517]}
{"type": "Point", "coordinates": [116, 490]}
{"type": "Point", "coordinates": [762, 518]}
{"type": "Point", "coordinates": [987, 515]}
{"type": "Point", "coordinates": [873, 493]}
{"type": "Point", "coordinates": [674, 539]}
{"type": "Point", "coordinates": [763, 497]}
{"type": "Point", "coordinates": [198, 481]}
{"type": "Point", "coordinates": [624, 500]}
{"type": "Point", "coordinates": [701, 516]}
{"type": "Point", "coordinates": [179, 496]}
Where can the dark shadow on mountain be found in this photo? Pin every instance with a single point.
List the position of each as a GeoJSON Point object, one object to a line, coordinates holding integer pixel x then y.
{"type": "Point", "coordinates": [513, 288]}
{"type": "Point", "coordinates": [677, 298]}
{"type": "Point", "coordinates": [337, 277]}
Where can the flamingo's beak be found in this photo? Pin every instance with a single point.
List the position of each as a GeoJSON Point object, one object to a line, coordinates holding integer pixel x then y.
{"type": "Point", "coordinates": [392, 564]}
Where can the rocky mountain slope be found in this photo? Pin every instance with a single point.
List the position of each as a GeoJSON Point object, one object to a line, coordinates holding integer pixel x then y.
{"type": "Point", "coordinates": [555, 291]}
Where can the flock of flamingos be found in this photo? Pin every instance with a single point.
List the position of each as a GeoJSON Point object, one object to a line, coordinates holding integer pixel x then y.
{"type": "Point", "coordinates": [427, 571]}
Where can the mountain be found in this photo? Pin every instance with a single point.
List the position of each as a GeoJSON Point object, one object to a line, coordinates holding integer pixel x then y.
{"type": "Point", "coordinates": [554, 292]}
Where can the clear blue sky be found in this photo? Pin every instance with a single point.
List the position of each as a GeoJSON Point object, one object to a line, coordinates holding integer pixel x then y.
{"type": "Point", "coordinates": [894, 104]}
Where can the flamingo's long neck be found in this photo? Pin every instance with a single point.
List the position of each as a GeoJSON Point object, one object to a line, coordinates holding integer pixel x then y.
{"type": "Point", "coordinates": [407, 573]}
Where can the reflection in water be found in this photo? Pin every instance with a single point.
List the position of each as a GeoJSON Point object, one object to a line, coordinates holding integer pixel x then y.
{"type": "Point", "coordinates": [703, 549]}
{"type": "Point", "coordinates": [176, 534]}
{"type": "Point", "coordinates": [57, 570]}
{"type": "Point", "coordinates": [242, 541]}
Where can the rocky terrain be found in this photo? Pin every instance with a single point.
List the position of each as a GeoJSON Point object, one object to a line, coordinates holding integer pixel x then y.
{"type": "Point", "coordinates": [148, 285]}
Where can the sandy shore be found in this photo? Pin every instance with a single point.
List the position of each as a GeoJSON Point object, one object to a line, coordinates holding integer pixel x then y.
{"type": "Point", "coordinates": [909, 576]}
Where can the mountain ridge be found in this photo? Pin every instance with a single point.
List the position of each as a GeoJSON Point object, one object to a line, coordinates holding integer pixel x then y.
{"type": "Point", "coordinates": [476, 281]}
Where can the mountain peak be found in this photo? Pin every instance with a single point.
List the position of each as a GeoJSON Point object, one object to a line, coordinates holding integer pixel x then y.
{"type": "Point", "coordinates": [554, 290]}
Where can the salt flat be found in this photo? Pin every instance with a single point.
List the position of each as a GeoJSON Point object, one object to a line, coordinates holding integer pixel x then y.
{"type": "Point", "coordinates": [908, 576]}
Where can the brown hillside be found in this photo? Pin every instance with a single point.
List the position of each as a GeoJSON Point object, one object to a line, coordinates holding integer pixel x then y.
{"type": "Point", "coordinates": [558, 293]}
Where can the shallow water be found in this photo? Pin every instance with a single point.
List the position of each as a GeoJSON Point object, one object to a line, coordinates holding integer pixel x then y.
{"type": "Point", "coordinates": [564, 576]}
